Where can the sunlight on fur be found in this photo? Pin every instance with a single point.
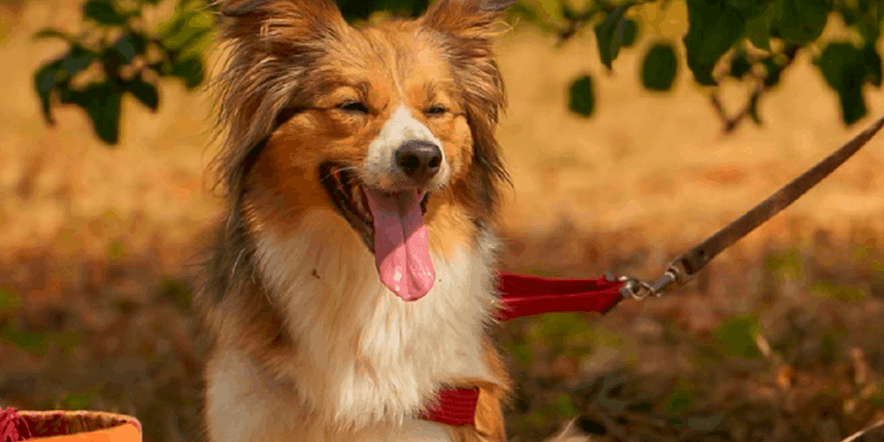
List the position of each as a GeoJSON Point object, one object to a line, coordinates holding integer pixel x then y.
{"type": "Point", "coordinates": [350, 280]}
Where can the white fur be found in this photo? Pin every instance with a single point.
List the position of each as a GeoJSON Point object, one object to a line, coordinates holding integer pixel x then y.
{"type": "Point", "coordinates": [235, 390]}
{"type": "Point", "coordinates": [401, 127]}
{"type": "Point", "coordinates": [365, 356]}
{"type": "Point", "coordinates": [239, 391]}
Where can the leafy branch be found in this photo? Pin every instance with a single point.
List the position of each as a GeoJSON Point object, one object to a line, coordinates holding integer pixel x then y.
{"type": "Point", "coordinates": [750, 41]}
{"type": "Point", "coordinates": [117, 54]}
{"type": "Point", "coordinates": [759, 39]}
{"type": "Point", "coordinates": [764, 71]}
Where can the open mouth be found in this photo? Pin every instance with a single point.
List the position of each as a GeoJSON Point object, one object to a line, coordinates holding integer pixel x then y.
{"type": "Point", "coordinates": [345, 190]}
{"type": "Point", "coordinates": [391, 225]}
{"type": "Point", "coordinates": [349, 196]}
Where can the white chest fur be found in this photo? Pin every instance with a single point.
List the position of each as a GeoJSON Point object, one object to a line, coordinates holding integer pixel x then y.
{"type": "Point", "coordinates": [364, 355]}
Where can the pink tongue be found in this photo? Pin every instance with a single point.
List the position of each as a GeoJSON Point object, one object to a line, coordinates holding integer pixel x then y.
{"type": "Point", "coordinates": [400, 243]}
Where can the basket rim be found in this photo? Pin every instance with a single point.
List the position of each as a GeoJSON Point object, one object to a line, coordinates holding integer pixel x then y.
{"type": "Point", "coordinates": [116, 420]}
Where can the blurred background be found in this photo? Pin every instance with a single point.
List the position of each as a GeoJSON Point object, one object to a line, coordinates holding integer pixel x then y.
{"type": "Point", "coordinates": [780, 338]}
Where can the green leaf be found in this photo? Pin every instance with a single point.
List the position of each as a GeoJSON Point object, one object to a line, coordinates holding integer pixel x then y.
{"type": "Point", "coordinates": [753, 109]}
{"type": "Point", "coordinates": [82, 400]}
{"type": "Point", "coordinates": [563, 324]}
{"type": "Point", "coordinates": [145, 92]}
{"type": "Point", "coordinates": [169, 28]}
{"type": "Point", "coordinates": [844, 68]}
{"type": "Point", "coordinates": [190, 69]}
{"type": "Point", "coordinates": [522, 354]}
{"type": "Point", "coordinates": [736, 337]}
{"type": "Point", "coordinates": [788, 264]}
{"type": "Point", "coordinates": [659, 67]}
{"type": "Point", "coordinates": [564, 407]}
{"type": "Point", "coordinates": [9, 301]}
{"type": "Point", "coordinates": [758, 26]}
{"type": "Point", "coordinates": [609, 35]}
{"type": "Point", "coordinates": [740, 65]}
{"type": "Point", "coordinates": [56, 75]}
{"type": "Point", "coordinates": [873, 63]}
{"type": "Point", "coordinates": [67, 341]}
{"type": "Point", "coordinates": [774, 69]}
{"type": "Point", "coordinates": [33, 343]}
{"type": "Point", "coordinates": [715, 25]}
{"type": "Point", "coordinates": [130, 45]}
{"type": "Point", "coordinates": [839, 292]}
{"type": "Point", "coordinates": [680, 402]}
{"type": "Point", "coordinates": [870, 29]}
{"type": "Point", "coordinates": [567, 11]}
{"type": "Point", "coordinates": [630, 33]}
{"type": "Point", "coordinates": [800, 21]}
{"type": "Point", "coordinates": [581, 96]}
{"type": "Point", "coordinates": [853, 104]}
{"type": "Point", "coordinates": [45, 81]}
{"type": "Point", "coordinates": [102, 103]}
{"type": "Point", "coordinates": [525, 11]}
{"type": "Point", "coordinates": [187, 31]}
{"type": "Point", "coordinates": [850, 15]}
{"type": "Point", "coordinates": [102, 12]}
{"type": "Point", "coordinates": [76, 401]}
{"type": "Point", "coordinates": [77, 60]}
{"type": "Point", "coordinates": [744, 4]}
{"type": "Point", "coordinates": [53, 33]}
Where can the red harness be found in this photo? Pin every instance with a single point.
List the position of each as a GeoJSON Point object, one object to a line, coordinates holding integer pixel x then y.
{"type": "Point", "coordinates": [524, 296]}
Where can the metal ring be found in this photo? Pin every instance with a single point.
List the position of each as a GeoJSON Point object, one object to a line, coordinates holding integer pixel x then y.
{"type": "Point", "coordinates": [635, 288]}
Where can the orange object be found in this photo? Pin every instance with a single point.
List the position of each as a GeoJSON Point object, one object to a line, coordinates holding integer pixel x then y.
{"type": "Point", "coordinates": [68, 426]}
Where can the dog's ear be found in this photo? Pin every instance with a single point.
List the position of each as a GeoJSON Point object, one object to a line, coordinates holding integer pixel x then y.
{"type": "Point", "coordinates": [280, 25]}
{"type": "Point", "coordinates": [466, 18]}
{"type": "Point", "coordinates": [273, 45]}
{"type": "Point", "coordinates": [465, 31]}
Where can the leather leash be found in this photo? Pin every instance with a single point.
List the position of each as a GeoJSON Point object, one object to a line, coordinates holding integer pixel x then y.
{"type": "Point", "coordinates": [681, 269]}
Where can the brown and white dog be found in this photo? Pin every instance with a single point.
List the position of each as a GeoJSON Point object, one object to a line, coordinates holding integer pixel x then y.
{"type": "Point", "coordinates": [353, 275]}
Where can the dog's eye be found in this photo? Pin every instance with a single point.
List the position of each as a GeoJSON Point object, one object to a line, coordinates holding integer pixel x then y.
{"type": "Point", "coordinates": [436, 109]}
{"type": "Point", "coordinates": [353, 106]}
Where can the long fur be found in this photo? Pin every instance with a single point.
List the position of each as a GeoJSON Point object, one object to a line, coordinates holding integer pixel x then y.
{"type": "Point", "coordinates": [307, 342]}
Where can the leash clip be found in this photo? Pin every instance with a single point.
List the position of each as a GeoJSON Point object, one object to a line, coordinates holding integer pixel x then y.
{"type": "Point", "coordinates": [676, 275]}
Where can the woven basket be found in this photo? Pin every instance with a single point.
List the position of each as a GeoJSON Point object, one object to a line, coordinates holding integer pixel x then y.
{"type": "Point", "coordinates": [68, 426]}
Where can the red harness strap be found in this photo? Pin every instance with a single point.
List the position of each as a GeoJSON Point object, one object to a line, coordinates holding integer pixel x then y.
{"type": "Point", "coordinates": [525, 296]}
{"type": "Point", "coordinates": [531, 295]}
{"type": "Point", "coordinates": [455, 406]}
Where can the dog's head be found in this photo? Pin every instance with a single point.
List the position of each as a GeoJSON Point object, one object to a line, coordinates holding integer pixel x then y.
{"type": "Point", "coordinates": [387, 125]}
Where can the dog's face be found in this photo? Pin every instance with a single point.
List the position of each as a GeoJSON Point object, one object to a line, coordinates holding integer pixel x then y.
{"type": "Point", "coordinates": [375, 123]}
{"type": "Point", "coordinates": [382, 124]}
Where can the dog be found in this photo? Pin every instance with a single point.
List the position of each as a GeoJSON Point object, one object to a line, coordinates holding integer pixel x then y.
{"type": "Point", "coordinates": [352, 275]}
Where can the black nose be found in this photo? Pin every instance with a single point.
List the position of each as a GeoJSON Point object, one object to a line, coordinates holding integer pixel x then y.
{"type": "Point", "coordinates": [419, 160]}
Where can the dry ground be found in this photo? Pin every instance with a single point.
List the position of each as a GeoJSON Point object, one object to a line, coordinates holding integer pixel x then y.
{"type": "Point", "coordinates": [780, 339]}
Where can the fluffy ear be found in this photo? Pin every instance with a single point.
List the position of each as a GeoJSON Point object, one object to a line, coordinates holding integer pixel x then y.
{"type": "Point", "coordinates": [280, 25]}
{"type": "Point", "coordinates": [273, 46]}
{"type": "Point", "coordinates": [465, 30]}
{"type": "Point", "coordinates": [466, 18]}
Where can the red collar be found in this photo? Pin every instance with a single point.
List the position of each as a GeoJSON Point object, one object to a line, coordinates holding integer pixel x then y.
{"type": "Point", "coordinates": [524, 296]}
